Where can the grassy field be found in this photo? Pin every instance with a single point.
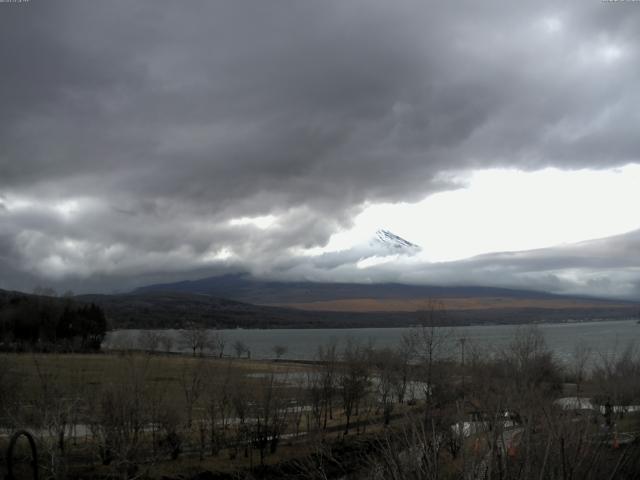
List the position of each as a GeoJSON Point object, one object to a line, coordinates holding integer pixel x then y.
{"type": "Point", "coordinates": [83, 374]}
{"type": "Point", "coordinates": [108, 367]}
{"type": "Point", "coordinates": [46, 386]}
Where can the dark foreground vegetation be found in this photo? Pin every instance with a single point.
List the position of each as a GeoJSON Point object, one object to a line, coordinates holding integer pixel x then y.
{"type": "Point", "coordinates": [414, 412]}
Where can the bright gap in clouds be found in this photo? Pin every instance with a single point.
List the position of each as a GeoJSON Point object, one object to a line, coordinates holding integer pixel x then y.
{"type": "Point", "coordinates": [262, 222]}
{"type": "Point", "coordinates": [507, 210]}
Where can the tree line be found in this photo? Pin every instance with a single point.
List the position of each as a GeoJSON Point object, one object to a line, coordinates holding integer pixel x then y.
{"type": "Point", "coordinates": [50, 324]}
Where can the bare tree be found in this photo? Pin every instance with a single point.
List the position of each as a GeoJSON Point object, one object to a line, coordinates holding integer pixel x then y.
{"type": "Point", "coordinates": [55, 414]}
{"type": "Point", "coordinates": [11, 384]}
{"type": "Point", "coordinates": [169, 423]}
{"type": "Point", "coordinates": [616, 375]}
{"type": "Point", "coordinates": [529, 361]}
{"type": "Point", "coordinates": [385, 363]}
{"type": "Point", "coordinates": [195, 338]}
{"type": "Point", "coordinates": [217, 342]}
{"type": "Point", "coordinates": [328, 358]}
{"type": "Point", "coordinates": [579, 365]}
{"type": "Point", "coordinates": [119, 416]}
{"type": "Point", "coordinates": [148, 340]}
{"type": "Point", "coordinates": [402, 366]}
{"type": "Point", "coordinates": [218, 404]}
{"type": "Point", "coordinates": [240, 347]}
{"type": "Point", "coordinates": [353, 380]}
{"type": "Point", "coordinates": [192, 376]}
{"type": "Point", "coordinates": [314, 399]}
{"type": "Point", "coordinates": [430, 341]}
{"type": "Point", "coordinates": [163, 417]}
{"type": "Point", "coordinates": [270, 414]}
{"type": "Point", "coordinates": [166, 342]}
{"type": "Point", "coordinates": [241, 399]}
{"type": "Point", "coordinates": [279, 351]}
{"type": "Point", "coordinates": [405, 455]}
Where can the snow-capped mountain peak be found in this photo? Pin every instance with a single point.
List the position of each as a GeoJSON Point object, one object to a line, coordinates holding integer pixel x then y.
{"type": "Point", "coordinates": [393, 243]}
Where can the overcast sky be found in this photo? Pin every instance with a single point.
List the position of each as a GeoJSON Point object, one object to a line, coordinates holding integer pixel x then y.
{"type": "Point", "coordinates": [145, 141]}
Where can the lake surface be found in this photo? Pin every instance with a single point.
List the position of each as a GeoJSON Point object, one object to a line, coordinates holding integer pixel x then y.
{"type": "Point", "coordinates": [603, 337]}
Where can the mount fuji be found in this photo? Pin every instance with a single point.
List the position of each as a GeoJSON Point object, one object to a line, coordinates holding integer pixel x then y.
{"type": "Point", "coordinates": [392, 244]}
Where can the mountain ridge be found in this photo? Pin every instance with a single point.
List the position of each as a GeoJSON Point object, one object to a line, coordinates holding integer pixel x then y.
{"type": "Point", "coordinates": [245, 288]}
{"type": "Point", "coordinates": [180, 310]}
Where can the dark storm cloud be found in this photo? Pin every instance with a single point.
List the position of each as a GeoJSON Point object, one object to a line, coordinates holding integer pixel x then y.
{"type": "Point", "coordinates": [161, 121]}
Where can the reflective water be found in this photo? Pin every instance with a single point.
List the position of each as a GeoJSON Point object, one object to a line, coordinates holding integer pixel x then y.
{"type": "Point", "coordinates": [603, 337]}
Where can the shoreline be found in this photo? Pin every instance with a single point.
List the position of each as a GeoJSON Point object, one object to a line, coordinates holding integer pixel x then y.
{"type": "Point", "coordinates": [570, 321]}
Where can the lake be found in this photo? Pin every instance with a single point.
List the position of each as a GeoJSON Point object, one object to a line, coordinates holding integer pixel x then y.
{"type": "Point", "coordinates": [603, 337]}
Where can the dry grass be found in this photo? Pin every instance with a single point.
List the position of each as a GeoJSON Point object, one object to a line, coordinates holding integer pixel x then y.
{"type": "Point", "coordinates": [85, 374]}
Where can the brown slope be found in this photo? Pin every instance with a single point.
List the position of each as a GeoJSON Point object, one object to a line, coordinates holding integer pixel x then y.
{"type": "Point", "coordinates": [471, 303]}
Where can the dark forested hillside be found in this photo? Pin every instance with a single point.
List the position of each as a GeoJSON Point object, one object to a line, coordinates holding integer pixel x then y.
{"type": "Point", "coordinates": [78, 322]}
{"type": "Point", "coordinates": [175, 310]}
{"type": "Point", "coordinates": [243, 287]}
